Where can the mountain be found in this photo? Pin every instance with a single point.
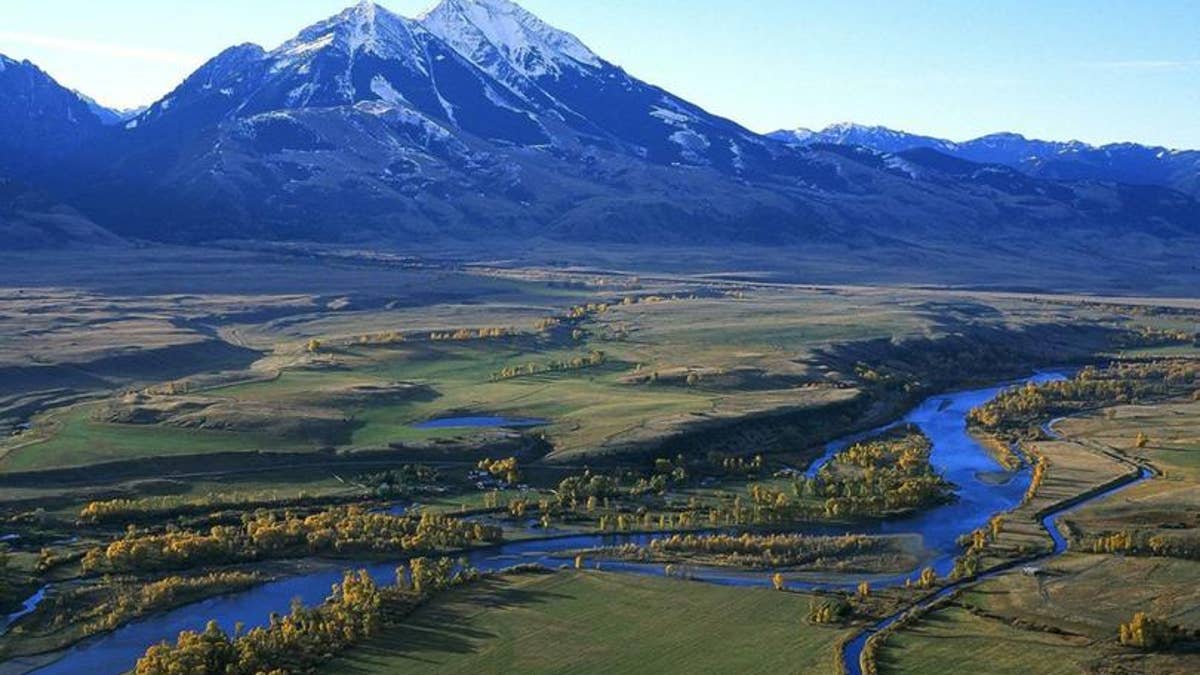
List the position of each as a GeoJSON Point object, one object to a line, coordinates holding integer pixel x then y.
{"type": "Point", "coordinates": [881, 139]}
{"type": "Point", "coordinates": [478, 127]}
{"type": "Point", "coordinates": [41, 121]}
{"type": "Point", "coordinates": [382, 127]}
{"type": "Point", "coordinates": [486, 68]}
{"type": "Point", "coordinates": [1129, 163]}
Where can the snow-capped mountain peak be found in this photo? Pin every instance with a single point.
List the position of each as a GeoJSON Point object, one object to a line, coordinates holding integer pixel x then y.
{"type": "Point", "coordinates": [365, 28]}
{"type": "Point", "coordinates": [488, 31]}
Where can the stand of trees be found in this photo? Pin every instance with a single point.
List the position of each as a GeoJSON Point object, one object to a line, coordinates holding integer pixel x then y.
{"type": "Point", "coordinates": [1151, 634]}
{"type": "Point", "coordinates": [304, 638]}
{"type": "Point", "coordinates": [401, 482]}
{"type": "Point", "coordinates": [339, 531]}
{"type": "Point", "coordinates": [505, 469]}
{"type": "Point", "coordinates": [132, 600]}
{"type": "Point", "coordinates": [1021, 407]}
{"type": "Point", "coordinates": [875, 477]}
{"type": "Point", "coordinates": [827, 610]}
{"type": "Point", "coordinates": [871, 479]}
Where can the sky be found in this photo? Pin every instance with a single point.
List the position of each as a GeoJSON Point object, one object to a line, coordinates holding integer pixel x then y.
{"type": "Point", "coordinates": [1095, 70]}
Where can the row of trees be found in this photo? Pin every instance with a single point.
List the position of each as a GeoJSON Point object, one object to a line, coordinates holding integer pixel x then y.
{"type": "Point", "coordinates": [755, 551]}
{"type": "Point", "coordinates": [298, 642]}
{"type": "Point", "coordinates": [591, 360]}
{"type": "Point", "coordinates": [464, 334]}
{"type": "Point", "coordinates": [1133, 542]}
{"type": "Point", "coordinates": [115, 511]}
{"type": "Point", "coordinates": [338, 531]}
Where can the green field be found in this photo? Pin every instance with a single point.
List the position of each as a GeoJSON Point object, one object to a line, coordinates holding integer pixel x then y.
{"type": "Point", "coordinates": [955, 641]}
{"type": "Point", "coordinates": [591, 622]}
{"type": "Point", "coordinates": [75, 439]}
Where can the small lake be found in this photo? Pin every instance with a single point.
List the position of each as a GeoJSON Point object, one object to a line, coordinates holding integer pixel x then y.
{"type": "Point", "coordinates": [482, 422]}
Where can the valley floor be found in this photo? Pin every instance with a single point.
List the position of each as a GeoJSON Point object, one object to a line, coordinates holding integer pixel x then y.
{"type": "Point", "coordinates": [173, 404]}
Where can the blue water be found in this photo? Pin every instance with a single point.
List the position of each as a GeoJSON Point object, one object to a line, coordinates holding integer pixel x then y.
{"type": "Point", "coordinates": [482, 423]}
{"type": "Point", "coordinates": [955, 454]}
{"type": "Point", "coordinates": [27, 607]}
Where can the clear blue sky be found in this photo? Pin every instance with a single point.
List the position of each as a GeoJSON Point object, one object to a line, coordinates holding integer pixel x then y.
{"type": "Point", "coordinates": [1097, 70]}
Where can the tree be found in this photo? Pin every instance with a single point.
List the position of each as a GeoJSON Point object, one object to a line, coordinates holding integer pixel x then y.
{"type": "Point", "coordinates": [1149, 633]}
{"type": "Point", "coordinates": [778, 582]}
{"type": "Point", "coordinates": [928, 578]}
{"type": "Point", "coordinates": [1142, 440]}
{"type": "Point", "coordinates": [996, 523]}
{"type": "Point", "coordinates": [864, 590]}
{"type": "Point", "coordinates": [313, 346]}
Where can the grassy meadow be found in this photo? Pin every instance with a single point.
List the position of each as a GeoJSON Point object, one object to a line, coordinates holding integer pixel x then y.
{"type": "Point", "coordinates": [593, 622]}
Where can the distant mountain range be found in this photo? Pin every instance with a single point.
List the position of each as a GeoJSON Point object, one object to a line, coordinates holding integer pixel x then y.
{"type": "Point", "coordinates": [478, 123]}
{"type": "Point", "coordinates": [1071, 160]}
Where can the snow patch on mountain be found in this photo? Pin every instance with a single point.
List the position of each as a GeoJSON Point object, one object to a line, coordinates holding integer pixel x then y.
{"type": "Point", "coordinates": [671, 117]}
{"type": "Point", "coordinates": [692, 145]}
{"type": "Point", "coordinates": [300, 95]}
{"type": "Point", "coordinates": [482, 29]}
{"type": "Point", "coordinates": [407, 116]}
{"type": "Point", "coordinates": [739, 158]}
{"type": "Point", "coordinates": [900, 164]}
{"type": "Point", "coordinates": [385, 91]}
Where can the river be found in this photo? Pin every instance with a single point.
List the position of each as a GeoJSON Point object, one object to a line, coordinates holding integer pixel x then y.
{"type": "Point", "coordinates": [983, 488]}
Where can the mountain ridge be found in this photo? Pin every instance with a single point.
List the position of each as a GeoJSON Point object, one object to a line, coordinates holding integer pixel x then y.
{"type": "Point", "coordinates": [1124, 162]}
{"type": "Point", "coordinates": [478, 123]}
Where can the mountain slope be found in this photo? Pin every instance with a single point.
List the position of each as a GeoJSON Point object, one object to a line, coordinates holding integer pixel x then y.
{"type": "Point", "coordinates": [31, 219]}
{"type": "Point", "coordinates": [40, 120]}
{"type": "Point", "coordinates": [1072, 160]}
